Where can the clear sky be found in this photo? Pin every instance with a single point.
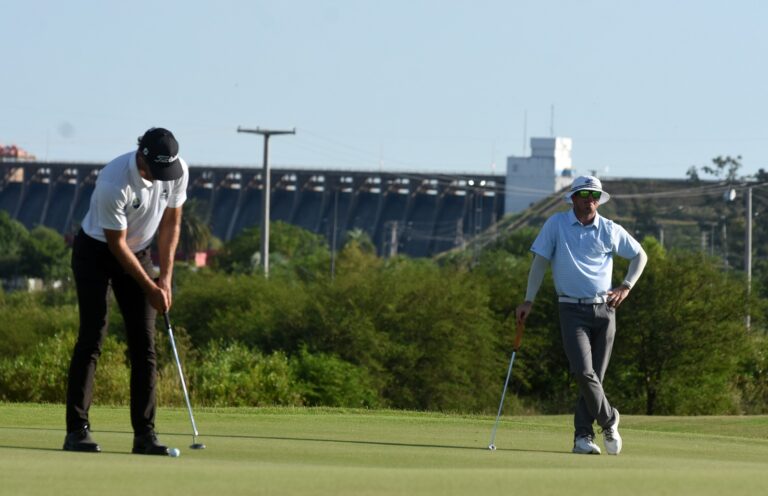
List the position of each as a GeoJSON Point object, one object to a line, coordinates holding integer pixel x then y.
{"type": "Point", "coordinates": [644, 88]}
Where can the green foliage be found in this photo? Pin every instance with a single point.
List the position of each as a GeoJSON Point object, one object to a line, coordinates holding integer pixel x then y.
{"type": "Point", "coordinates": [194, 234]}
{"type": "Point", "coordinates": [425, 332]}
{"type": "Point", "coordinates": [265, 313]}
{"type": "Point", "coordinates": [326, 380]}
{"type": "Point", "coordinates": [40, 253]}
{"type": "Point", "coordinates": [28, 319]}
{"type": "Point", "coordinates": [540, 378]}
{"type": "Point", "coordinates": [725, 167]}
{"type": "Point", "coordinates": [40, 374]}
{"type": "Point", "coordinates": [13, 235]}
{"type": "Point", "coordinates": [45, 255]}
{"type": "Point", "coordinates": [681, 336]}
{"type": "Point", "coordinates": [517, 243]}
{"type": "Point", "coordinates": [409, 333]}
{"type": "Point", "coordinates": [233, 375]}
{"type": "Point", "coordinates": [291, 249]}
{"type": "Point", "coordinates": [752, 378]}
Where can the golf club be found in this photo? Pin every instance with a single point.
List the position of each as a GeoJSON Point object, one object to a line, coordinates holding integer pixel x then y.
{"type": "Point", "coordinates": [195, 444]}
{"type": "Point", "coordinates": [518, 340]}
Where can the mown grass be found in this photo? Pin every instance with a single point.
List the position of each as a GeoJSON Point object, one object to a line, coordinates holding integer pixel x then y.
{"type": "Point", "coordinates": [337, 451]}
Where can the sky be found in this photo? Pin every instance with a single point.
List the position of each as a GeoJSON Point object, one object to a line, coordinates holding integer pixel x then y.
{"type": "Point", "coordinates": [644, 88]}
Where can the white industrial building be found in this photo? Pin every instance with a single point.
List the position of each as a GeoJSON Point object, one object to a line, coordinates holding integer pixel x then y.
{"type": "Point", "coordinates": [547, 170]}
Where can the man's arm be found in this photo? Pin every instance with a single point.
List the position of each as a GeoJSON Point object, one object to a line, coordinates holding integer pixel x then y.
{"type": "Point", "coordinates": [116, 241]}
{"type": "Point", "coordinates": [636, 266]}
{"type": "Point", "coordinates": [167, 241]}
{"type": "Point", "coordinates": [535, 278]}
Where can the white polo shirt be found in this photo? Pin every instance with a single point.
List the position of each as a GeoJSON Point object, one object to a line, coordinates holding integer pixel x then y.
{"type": "Point", "coordinates": [582, 256]}
{"type": "Point", "coordinates": [124, 201]}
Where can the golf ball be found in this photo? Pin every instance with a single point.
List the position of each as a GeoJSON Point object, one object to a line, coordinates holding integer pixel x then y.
{"type": "Point", "coordinates": [492, 447]}
{"type": "Point", "coordinates": [174, 452]}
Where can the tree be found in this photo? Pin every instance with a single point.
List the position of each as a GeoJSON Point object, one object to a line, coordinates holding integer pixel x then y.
{"type": "Point", "coordinates": [195, 234]}
{"type": "Point", "coordinates": [361, 239]}
{"type": "Point", "coordinates": [680, 338]}
{"type": "Point", "coordinates": [45, 255]}
{"type": "Point", "coordinates": [693, 174]}
{"type": "Point", "coordinates": [291, 248]}
{"type": "Point", "coordinates": [725, 168]}
{"type": "Point", "coordinates": [13, 235]}
{"type": "Point", "coordinates": [761, 176]}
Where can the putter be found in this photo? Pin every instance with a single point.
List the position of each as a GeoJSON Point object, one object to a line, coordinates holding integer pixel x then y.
{"type": "Point", "coordinates": [195, 444]}
{"type": "Point", "coordinates": [518, 340]}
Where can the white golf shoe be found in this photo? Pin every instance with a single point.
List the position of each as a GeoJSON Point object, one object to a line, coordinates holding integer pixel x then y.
{"type": "Point", "coordinates": [585, 445]}
{"type": "Point", "coordinates": [612, 437]}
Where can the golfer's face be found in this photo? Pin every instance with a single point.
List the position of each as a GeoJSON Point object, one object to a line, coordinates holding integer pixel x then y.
{"type": "Point", "coordinates": [586, 201]}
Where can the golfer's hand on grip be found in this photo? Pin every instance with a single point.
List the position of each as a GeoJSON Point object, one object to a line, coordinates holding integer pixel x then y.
{"type": "Point", "coordinates": [159, 299]}
{"type": "Point", "coordinates": [522, 311]}
{"type": "Point", "coordinates": [164, 283]}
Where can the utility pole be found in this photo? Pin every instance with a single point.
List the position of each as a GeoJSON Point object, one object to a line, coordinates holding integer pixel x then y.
{"type": "Point", "coordinates": [333, 234]}
{"type": "Point", "coordinates": [266, 192]}
{"type": "Point", "coordinates": [393, 240]}
{"type": "Point", "coordinates": [748, 250]}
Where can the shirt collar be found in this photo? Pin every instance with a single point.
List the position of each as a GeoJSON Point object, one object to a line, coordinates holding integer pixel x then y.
{"type": "Point", "coordinates": [136, 178]}
{"type": "Point", "coordinates": [573, 220]}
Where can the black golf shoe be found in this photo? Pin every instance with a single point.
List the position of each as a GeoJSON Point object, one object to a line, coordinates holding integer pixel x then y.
{"type": "Point", "coordinates": [80, 440]}
{"type": "Point", "coordinates": [147, 444]}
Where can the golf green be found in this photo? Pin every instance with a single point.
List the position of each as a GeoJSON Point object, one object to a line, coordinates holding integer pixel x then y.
{"type": "Point", "coordinates": [336, 451]}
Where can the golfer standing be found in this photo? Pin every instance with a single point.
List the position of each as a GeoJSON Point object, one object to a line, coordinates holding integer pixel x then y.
{"type": "Point", "coordinates": [579, 244]}
{"type": "Point", "coordinates": [136, 195]}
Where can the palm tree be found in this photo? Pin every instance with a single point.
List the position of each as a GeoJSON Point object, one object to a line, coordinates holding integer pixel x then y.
{"type": "Point", "coordinates": [195, 234]}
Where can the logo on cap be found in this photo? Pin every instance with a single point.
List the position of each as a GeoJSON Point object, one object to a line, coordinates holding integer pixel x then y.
{"type": "Point", "coordinates": [165, 159]}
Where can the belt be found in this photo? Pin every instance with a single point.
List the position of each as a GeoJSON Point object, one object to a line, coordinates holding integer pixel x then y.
{"type": "Point", "coordinates": [583, 301]}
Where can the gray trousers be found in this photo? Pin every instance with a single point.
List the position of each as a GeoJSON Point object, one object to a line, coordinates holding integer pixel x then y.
{"type": "Point", "coordinates": [588, 332]}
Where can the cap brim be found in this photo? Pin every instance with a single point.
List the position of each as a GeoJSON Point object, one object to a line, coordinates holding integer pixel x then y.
{"type": "Point", "coordinates": [169, 172]}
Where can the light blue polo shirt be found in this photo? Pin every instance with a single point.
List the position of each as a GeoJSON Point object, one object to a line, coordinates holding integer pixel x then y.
{"type": "Point", "coordinates": [582, 256]}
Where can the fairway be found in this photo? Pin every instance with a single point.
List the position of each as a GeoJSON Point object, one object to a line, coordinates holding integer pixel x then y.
{"type": "Point", "coordinates": [335, 451]}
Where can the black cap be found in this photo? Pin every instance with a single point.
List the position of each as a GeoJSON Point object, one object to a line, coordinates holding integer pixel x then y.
{"type": "Point", "coordinates": [161, 152]}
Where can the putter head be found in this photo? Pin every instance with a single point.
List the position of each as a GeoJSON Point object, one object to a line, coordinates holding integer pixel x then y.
{"type": "Point", "coordinates": [197, 446]}
{"type": "Point", "coordinates": [492, 447]}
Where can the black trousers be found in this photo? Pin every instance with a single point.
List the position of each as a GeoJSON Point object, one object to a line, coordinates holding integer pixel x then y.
{"type": "Point", "coordinates": [96, 270]}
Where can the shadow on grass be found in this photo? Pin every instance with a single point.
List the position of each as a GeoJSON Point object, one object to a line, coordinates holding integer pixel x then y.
{"type": "Point", "coordinates": [300, 439]}
{"type": "Point", "coordinates": [378, 443]}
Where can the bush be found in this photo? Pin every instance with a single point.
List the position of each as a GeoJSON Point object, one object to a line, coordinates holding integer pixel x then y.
{"type": "Point", "coordinates": [233, 375]}
{"type": "Point", "coordinates": [40, 375]}
{"type": "Point", "coordinates": [680, 339]}
{"type": "Point", "coordinates": [325, 380]}
{"type": "Point", "coordinates": [27, 320]}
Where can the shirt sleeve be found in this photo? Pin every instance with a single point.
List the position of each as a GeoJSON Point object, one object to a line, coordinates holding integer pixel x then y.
{"type": "Point", "coordinates": [536, 276]}
{"type": "Point", "coordinates": [179, 189]}
{"type": "Point", "coordinates": [545, 242]}
{"type": "Point", "coordinates": [624, 245]}
{"type": "Point", "coordinates": [110, 202]}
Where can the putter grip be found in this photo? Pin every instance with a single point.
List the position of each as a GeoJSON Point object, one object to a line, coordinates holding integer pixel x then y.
{"type": "Point", "coordinates": [167, 320]}
{"type": "Point", "coordinates": [519, 336]}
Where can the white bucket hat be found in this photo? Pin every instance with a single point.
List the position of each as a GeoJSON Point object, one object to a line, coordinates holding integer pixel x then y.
{"type": "Point", "coordinates": [590, 183]}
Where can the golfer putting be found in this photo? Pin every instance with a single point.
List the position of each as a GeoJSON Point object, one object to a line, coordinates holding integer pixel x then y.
{"type": "Point", "coordinates": [137, 195]}
{"type": "Point", "coordinates": [579, 244]}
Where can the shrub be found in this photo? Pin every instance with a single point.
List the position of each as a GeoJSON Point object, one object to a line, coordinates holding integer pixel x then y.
{"type": "Point", "coordinates": [325, 380]}
{"type": "Point", "coordinates": [233, 375]}
{"type": "Point", "coordinates": [40, 375]}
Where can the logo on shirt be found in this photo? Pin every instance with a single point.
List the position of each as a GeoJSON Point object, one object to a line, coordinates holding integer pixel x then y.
{"type": "Point", "coordinates": [164, 194]}
{"type": "Point", "coordinates": [136, 203]}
